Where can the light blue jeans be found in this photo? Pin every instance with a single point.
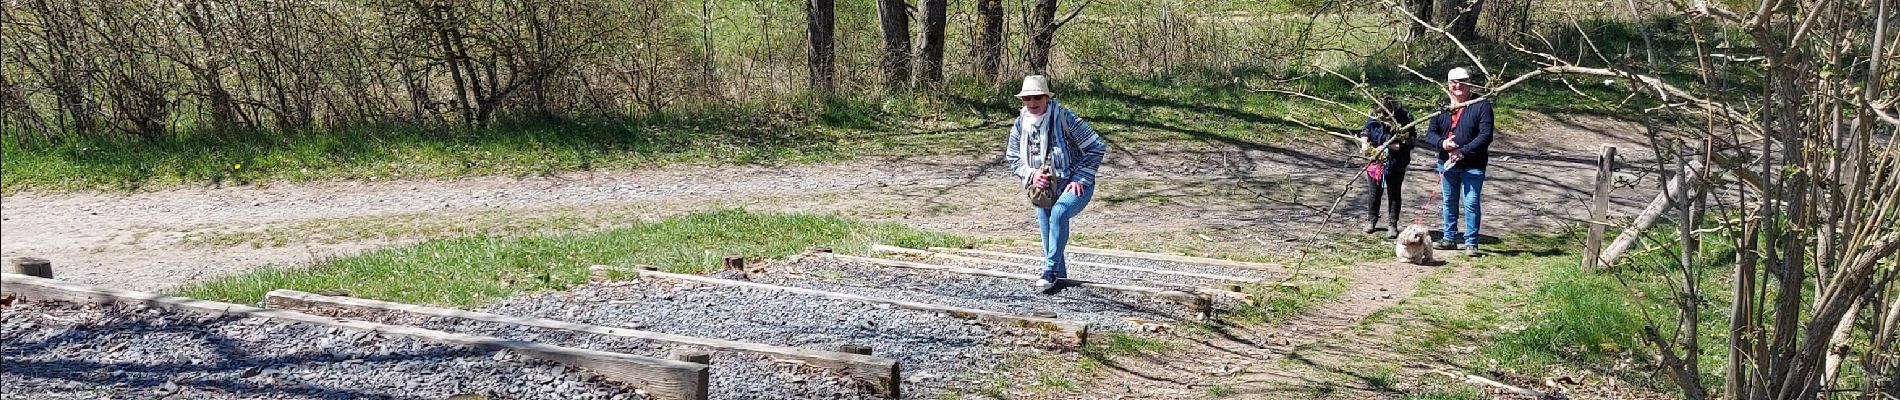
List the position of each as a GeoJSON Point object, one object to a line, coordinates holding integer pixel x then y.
{"type": "Point", "coordinates": [1463, 190]}
{"type": "Point", "coordinates": [1054, 223]}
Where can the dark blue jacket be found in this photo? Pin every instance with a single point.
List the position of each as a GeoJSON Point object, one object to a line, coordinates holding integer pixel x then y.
{"type": "Point", "coordinates": [1377, 133]}
{"type": "Point", "coordinates": [1473, 135]}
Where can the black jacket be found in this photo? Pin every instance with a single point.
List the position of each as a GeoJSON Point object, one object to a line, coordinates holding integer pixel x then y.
{"type": "Point", "coordinates": [1473, 135]}
{"type": "Point", "coordinates": [1378, 132]}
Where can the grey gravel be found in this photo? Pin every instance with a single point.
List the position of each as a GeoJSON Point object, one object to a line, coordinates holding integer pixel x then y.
{"type": "Point", "coordinates": [1105, 309]}
{"type": "Point", "coordinates": [1153, 264]}
{"type": "Point", "coordinates": [932, 350]}
{"type": "Point", "coordinates": [1087, 273]}
{"type": "Point", "coordinates": [63, 351]}
{"type": "Point", "coordinates": [734, 375]}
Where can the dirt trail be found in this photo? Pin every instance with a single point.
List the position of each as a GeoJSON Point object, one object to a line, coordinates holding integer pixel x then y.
{"type": "Point", "coordinates": [1250, 193]}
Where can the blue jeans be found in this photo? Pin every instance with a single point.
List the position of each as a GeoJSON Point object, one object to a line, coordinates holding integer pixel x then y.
{"type": "Point", "coordinates": [1463, 191]}
{"type": "Point", "coordinates": [1054, 223]}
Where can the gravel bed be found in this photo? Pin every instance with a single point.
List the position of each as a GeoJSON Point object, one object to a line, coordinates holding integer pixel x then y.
{"type": "Point", "coordinates": [1152, 264]}
{"type": "Point", "coordinates": [734, 375]}
{"type": "Point", "coordinates": [1080, 272]}
{"type": "Point", "coordinates": [935, 352]}
{"type": "Point", "coordinates": [1105, 309]}
{"type": "Point", "coordinates": [65, 351]}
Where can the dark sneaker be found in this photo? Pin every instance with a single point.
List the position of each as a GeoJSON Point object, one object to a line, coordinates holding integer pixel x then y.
{"type": "Point", "coordinates": [1445, 245]}
{"type": "Point", "coordinates": [1051, 287]}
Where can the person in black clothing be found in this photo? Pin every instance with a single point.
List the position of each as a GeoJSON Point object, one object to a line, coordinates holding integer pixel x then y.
{"type": "Point", "coordinates": [1394, 157]}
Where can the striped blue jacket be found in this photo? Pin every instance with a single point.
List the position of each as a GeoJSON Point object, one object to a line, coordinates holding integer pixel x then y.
{"type": "Point", "coordinates": [1075, 158]}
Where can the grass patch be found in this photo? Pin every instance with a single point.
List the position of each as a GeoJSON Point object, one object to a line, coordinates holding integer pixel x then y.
{"type": "Point", "coordinates": [1221, 391]}
{"type": "Point", "coordinates": [1120, 343]}
{"type": "Point", "coordinates": [491, 223]}
{"type": "Point", "coordinates": [1279, 303]}
{"type": "Point", "coordinates": [471, 270]}
{"type": "Point", "coordinates": [1049, 381]}
{"type": "Point", "coordinates": [1458, 393]}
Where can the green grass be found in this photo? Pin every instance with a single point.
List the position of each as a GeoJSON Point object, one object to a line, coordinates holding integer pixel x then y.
{"type": "Point", "coordinates": [1279, 303]}
{"type": "Point", "coordinates": [471, 270]}
{"type": "Point", "coordinates": [422, 225]}
{"type": "Point", "coordinates": [1455, 393]}
{"type": "Point", "coordinates": [1529, 309]}
{"type": "Point", "coordinates": [1220, 391]}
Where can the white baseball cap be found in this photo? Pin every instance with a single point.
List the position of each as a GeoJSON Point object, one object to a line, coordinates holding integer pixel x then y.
{"type": "Point", "coordinates": [1458, 74]}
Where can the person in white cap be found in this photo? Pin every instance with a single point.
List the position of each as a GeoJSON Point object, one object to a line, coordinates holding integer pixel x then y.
{"type": "Point", "coordinates": [1047, 134]}
{"type": "Point", "coordinates": [1463, 138]}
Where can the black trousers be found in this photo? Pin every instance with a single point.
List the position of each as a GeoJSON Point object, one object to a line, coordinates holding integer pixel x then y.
{"type": "Point", "coordinates": [1387, 189]}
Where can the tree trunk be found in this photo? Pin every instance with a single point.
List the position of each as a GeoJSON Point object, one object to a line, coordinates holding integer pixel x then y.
{"type": "Point", "coordinates": [1423, 10]}
{"type": "Point", "coordinates": [819, 54]}
{"type": "Point", "coordinates": [989, 40]}
{"type": "Point", "coordinates": [1443, 12]}
{"type": "Point", "coordinates": [1465, 22]}
{"type": "Point", "coordinates": [1043, 29]}
{"type": "Point", "coordinates": [930, 56]}
{"type": "Point", "coordinates": [893, 20]}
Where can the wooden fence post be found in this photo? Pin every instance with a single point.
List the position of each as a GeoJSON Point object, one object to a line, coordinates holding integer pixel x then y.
{"type": "Point", "coordinates": [1599, 209]}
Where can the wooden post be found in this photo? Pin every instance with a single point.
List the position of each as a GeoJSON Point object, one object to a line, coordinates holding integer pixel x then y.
{"type": "Point", "coordinates": [1599, 209]}
{"type": "Point", "coordinates": [855, 349]}
{"type": "Point", "coordinates": [692, 356]}
{"type": "Point", "coordinates": [32, 266]}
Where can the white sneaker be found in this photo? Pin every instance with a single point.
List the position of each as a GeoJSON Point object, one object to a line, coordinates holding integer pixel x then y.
{"type": "Point", "coordinates": [1043, 284]}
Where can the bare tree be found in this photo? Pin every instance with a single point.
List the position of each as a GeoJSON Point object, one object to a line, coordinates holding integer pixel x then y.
{"type": "Point", "coordinates": [988, 46]}
{"type": "Point", "coordinates": [930, 55]}
{"type": "Point", "coordinates": [1042, 32]}
{"type": "Point", "coordinates": [893, 20]}
{"type": "Point", "coordinates": [819, 53]}
{"type": "Point", "coordinates": [1460, 17]}
{"type": "Point", "coordinates": [1418, 7]}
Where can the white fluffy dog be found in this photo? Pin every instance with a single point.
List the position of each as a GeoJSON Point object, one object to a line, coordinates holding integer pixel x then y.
{"type": "Point", "coordinates": [1414, 245]}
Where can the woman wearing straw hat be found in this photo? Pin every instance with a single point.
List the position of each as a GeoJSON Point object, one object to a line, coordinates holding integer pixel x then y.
{"type": "Point", "coordinates": [1050, 148]}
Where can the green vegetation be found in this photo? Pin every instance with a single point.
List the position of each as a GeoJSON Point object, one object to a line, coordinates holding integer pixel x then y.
{"type": "Point", "coordinates": [468, 271]}
{"type": "Point", "coordinates": [1136, 112]}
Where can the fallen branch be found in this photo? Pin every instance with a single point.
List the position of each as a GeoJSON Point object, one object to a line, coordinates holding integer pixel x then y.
{"type": "Point", "coordinates": [1474, 379]}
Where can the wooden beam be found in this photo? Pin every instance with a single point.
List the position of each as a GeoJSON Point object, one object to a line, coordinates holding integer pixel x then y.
{"type": "Point", "coordinates": [1074, 333]}
{"type": "Point", "coordinates": [1176, 258]}
{"type": "Point", "coordinates": [666, 379]}
{"type": "Point", "coordinates": [882, 371]}
{"type": "Point", "coordinates": [937, 252]}
{"type": "Point", "coordinates": [1223, 291]}
{"type": "Point", "coordinates": [32, 266]}
{"type": "Point", "coordinates": [1184, 298]}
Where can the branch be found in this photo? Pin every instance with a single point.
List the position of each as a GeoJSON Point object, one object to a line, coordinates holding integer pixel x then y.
{"type": "Point", "coordinates": [1448, 35]}
{"type": "Point", "coordinates": [1880, 110]}
{"type": "Point", "coordinates": [1072, 14]}
{"type": "Point", "coordinates": [1348, 108]}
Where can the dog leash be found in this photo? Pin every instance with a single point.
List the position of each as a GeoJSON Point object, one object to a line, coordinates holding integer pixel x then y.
{"type": "Point", "coordinates": [1420, 218]}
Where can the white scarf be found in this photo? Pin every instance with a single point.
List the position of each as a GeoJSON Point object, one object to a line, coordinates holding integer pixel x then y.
{"type": "Point", "coordinates": [1035, 140]}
